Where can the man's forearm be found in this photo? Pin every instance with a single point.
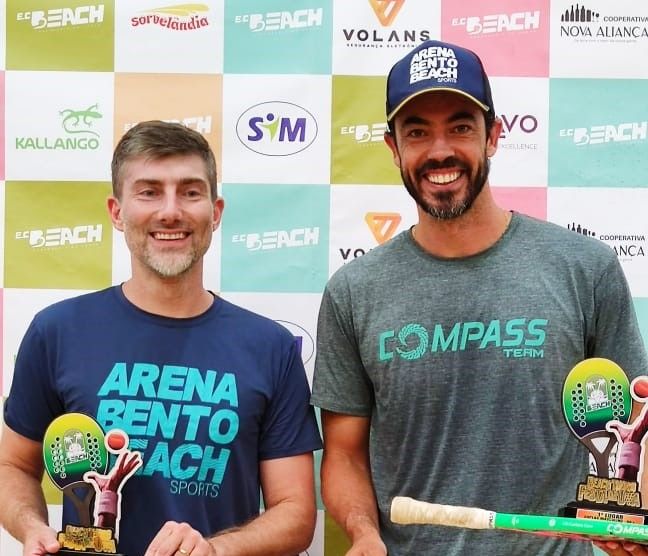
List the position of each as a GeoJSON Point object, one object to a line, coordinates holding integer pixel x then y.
{"type": "Point", "coordinates": [22, 504]}
{"type": "Point", "coordinates": [349, 496]}
{"type": "Point", "coordinates": [283, 530]}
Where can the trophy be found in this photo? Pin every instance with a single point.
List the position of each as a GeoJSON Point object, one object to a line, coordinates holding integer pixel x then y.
{"type": "Point", "coordinates": [597, 403]}
{"type": "Point", "coordinates": [76, 453]}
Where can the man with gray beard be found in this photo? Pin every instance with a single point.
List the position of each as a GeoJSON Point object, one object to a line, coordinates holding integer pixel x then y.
{"type": "Point", "coordinates": [213, 396]}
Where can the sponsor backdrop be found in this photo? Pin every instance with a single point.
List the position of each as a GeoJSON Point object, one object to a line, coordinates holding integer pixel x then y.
{"type": "Point", "coordinates": [290, 94]}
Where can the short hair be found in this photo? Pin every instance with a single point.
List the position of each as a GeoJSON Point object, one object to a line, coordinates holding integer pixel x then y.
{"type": "Point", "coordinates": [157, 139]}
{"type": "Point", "coordinates": [489, 120]}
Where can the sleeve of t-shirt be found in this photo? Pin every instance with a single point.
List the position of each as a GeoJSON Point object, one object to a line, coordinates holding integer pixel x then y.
{"type": "Point", "coordinates": [340, 382]}
{"type": "Point", "coordinates": [289, 425]}
{"type": "Point", "coordinates": [33, 400]}
{"type": "Point", "coordinates": [617, 336]}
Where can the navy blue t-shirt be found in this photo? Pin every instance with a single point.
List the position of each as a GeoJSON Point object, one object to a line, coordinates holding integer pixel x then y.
{"type": "Point", "coordinates": [204, 399]}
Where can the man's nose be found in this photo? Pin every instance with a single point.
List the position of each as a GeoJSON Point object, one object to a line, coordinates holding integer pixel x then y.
{"type": "Point", "coordinates": [439, 147]}
{"type": "Point", "coordinates": [170, 208]}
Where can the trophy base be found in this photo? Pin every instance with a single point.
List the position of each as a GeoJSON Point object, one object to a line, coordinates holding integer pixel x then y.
{"type": "Point", "coordinates": [607, 512]}
{"type": "Point", "coordinates": [87, 541]}
{"type": "Point", "coordinates": [68, 552]}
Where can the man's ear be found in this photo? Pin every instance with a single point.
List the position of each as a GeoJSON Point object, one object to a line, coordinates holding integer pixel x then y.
{"type": "Point", "coordinates": [493, 137]}
{"type": "Point", "coordinates": [114, 210]}
{"type": "Point", "coordinates": [219, 207]}
{"type": "Point", "coordinates": [391, 143]}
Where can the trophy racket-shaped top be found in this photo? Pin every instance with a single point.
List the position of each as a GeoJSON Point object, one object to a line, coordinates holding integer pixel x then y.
{"type": "Point", "coordinates": [73, 445]}
{"type": "Point", "coordinates": [596, 391]}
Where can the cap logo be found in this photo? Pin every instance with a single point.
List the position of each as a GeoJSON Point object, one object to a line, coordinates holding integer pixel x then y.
{"type": "Point", "coordinates": [434, 62]}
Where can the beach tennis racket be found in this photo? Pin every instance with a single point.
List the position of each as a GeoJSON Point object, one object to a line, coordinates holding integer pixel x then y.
{"type": "Point", "coordinates": [406, 511]}
{"type": "Point", "coordinates": [596, 391]}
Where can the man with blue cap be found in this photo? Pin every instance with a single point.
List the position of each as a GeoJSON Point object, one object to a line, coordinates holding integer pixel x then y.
{"type": "Point", "coordinates": [442, 353]}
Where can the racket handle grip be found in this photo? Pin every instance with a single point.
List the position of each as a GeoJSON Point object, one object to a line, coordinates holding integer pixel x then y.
{"type": "Point", "coordinates": [405, 510]}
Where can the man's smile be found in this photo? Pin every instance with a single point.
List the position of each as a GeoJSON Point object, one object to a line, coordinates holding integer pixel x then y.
{"type": "Point", "coordinates": [443, 179]}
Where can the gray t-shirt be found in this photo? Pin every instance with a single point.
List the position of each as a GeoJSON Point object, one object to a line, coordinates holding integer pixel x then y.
{"type": "Point", "coordinates": [460, 364]}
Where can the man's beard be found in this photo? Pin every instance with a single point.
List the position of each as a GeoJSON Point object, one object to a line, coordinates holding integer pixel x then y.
{"type": "Point", "coordinates": [166, 264]}
{"type": "Point", "coordinates": [171, 265]}
{"type": "Point", "coordinates": [447, 205]}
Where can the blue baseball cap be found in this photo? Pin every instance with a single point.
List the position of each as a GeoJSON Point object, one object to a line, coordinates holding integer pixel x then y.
{"type": "Point", "coordinates": [438, 66]}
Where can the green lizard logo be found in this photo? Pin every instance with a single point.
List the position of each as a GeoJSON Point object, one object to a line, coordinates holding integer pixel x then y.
{"type": "Point", "coordinates": [72, 119]}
